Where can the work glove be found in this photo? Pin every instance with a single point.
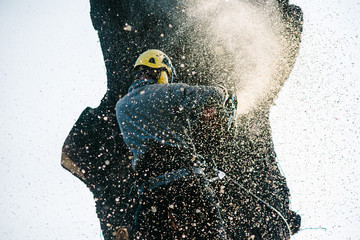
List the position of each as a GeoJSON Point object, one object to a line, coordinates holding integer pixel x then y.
{"type": "Point", "coordinates": [223, 115]}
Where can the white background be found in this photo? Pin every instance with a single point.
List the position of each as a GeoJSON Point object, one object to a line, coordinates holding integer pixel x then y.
{"type": "Point", "coordinates": [51, 68]}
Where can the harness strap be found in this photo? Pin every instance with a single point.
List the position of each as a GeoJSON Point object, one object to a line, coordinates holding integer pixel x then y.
{"type": "Point", "coordinates": [163, 180]}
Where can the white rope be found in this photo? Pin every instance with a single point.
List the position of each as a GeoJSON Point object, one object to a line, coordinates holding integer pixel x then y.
{"type": "Point", "coordinates": [221, 175]}
{"type": "Point", "coordinates": [267, 204]}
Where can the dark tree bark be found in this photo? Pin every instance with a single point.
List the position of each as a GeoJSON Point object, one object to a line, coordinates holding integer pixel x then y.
{"type": "Point", "coordinates": [127, 28]}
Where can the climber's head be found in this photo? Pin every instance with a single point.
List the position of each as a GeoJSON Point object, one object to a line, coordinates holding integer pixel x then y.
{"type": "Point", "coordinates": [156, 65]}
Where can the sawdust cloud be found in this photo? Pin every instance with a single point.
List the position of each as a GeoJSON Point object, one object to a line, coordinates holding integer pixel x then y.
{"type": "Point", "coordinates": [247, 42]}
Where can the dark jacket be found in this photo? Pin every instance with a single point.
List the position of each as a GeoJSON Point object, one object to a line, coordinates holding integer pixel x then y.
{"type": "Point", "coordinates": [162, 114]}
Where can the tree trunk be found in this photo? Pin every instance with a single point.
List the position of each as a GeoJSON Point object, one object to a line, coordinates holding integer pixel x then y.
{"type": "Point", "coordinates": [126, 29]}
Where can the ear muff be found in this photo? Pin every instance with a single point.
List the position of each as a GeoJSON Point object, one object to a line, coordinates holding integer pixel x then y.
{"type": "Point", "coordinates": [163, 78]}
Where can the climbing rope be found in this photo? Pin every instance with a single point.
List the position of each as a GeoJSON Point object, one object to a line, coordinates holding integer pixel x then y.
{"type": "Point", "coordinates": [221, 175]}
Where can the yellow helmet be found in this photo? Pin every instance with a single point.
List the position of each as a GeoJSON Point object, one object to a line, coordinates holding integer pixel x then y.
{"type": "Point", "coordinates": [156, 59]}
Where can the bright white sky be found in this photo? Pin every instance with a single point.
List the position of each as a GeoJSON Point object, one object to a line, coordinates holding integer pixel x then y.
{"type": "Point", "coordinates": [51, 68]}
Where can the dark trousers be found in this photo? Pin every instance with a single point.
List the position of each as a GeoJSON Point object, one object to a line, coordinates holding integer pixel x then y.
{"type": "Point", "coordinates": [183, 209]}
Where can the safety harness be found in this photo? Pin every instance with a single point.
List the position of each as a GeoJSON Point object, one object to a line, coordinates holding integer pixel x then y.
{"type": "Point", "coordinates": [156, 182]}
{"type": "Point", "coordinates": [162, 180]}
